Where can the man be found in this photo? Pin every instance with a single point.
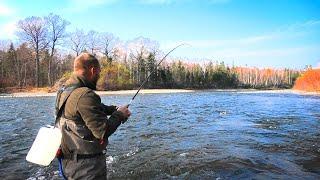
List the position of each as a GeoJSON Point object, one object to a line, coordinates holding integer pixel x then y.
{"type": "Point", "coordinates": [83, 121]}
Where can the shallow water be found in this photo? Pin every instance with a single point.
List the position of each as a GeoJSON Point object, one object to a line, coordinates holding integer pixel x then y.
{"type": "Point", "coordinates": [200, 135]}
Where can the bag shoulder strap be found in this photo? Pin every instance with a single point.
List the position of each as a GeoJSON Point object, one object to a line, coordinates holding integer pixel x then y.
{"type": "Point", "coordinates": [59, 109]}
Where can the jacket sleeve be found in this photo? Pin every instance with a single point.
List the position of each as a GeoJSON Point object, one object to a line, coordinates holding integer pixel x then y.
{"type": "Point", "coordinates": [92, 112]}
{"type": "Point", "coordinates": [108, 109]}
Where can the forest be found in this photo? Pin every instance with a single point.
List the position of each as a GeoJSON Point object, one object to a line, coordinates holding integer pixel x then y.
{"type": "Point", "coordinates": [44, 52]}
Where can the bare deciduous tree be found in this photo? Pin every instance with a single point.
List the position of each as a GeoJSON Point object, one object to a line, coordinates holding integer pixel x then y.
{"type": "Point", "coordinates": [34, 31]}
{"type": "Point", "coordinates": [107, 44]}
{"type": "Point", "coordinates": [56, 28]}
{"type": "Point", "coordinates": [93, 41]}
{"type": "Point", "coordinates": [78, 41]}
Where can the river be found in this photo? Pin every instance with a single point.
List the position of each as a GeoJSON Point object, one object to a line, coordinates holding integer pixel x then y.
{"type": "Point", "coordinates": [197, 135]}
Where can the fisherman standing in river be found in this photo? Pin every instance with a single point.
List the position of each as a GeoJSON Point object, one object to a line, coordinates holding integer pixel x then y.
{"type": "Point", "coordinates": [83, 121]}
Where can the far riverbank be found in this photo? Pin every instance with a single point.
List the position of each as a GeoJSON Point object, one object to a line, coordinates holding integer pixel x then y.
{"type": "Point", "coordinates": [44, 93]}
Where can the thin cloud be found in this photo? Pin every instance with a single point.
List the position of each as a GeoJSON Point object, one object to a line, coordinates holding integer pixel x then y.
{"type": "Point", "coordinates": [260, 47]}
{"type": "Point", "coordinates": [258, 39]}
{"type": "Point", "coordinates": [300, 26]}
{"type": "Point", "coordinates": [8, 25]}
{"type": "Point", "coordinates": [312, 23]}
{"type": "Point", "coordinates": [6, 10]}
{"type": "Point", "coordinates": [296, 30]}
{"type": "Point", "coordinates": [7, 30]}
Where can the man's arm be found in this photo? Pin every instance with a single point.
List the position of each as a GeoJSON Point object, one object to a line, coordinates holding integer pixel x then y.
{"type": "Point", "coordinates": [109, 109]}
{"type": "Point", "coordinates": [91, 111]}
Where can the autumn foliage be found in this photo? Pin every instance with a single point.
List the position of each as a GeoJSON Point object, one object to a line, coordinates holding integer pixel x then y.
{"type": "Point", "coordinates": [309, 81]}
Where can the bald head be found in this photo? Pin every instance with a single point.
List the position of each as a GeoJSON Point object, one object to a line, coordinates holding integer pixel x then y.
{"type": "Point", "coordinates": [84, 62]}
{"type": "Point", "coordinates": [87, 66]}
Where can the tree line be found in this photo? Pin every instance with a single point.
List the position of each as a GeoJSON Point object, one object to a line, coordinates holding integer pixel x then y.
{"type": "Point", "coordinates": [45, 53]}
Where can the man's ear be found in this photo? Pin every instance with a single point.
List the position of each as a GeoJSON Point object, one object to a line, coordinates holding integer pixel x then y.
{"type": "Point", "coordinates": [91, 70]}
{"type": "Point", "coordinates": [94, 70]}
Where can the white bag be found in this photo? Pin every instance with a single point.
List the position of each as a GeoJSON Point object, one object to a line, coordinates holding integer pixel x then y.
{"type": "Point", "coordinates": [45, 146]}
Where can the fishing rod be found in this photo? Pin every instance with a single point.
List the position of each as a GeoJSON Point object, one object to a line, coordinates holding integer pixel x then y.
{"type": "Point", "coordinates": [146, 80]}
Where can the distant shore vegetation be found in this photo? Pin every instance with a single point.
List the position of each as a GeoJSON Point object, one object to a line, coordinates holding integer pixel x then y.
{"type": "Point", "coordinates": [308, 81]}
{"type": "Point", "coordinates": [46, 50]}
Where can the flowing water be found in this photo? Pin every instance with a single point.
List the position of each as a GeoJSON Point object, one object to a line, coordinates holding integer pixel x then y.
{"type": "Point", "coordinates": [200, 135]}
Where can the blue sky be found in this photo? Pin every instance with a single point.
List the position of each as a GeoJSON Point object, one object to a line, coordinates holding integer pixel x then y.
{"type": "Point", "coordinates": [262, 33]}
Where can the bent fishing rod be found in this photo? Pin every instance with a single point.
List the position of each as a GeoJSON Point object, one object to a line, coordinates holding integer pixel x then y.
{"type": "Point", "coordinates": [146, 80]}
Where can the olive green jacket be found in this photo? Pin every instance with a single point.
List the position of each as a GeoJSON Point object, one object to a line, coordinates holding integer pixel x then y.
{"type": "Point", "coordinates": [88, 117]}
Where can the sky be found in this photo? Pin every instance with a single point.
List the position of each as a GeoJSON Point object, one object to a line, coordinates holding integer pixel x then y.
{"type": "Point", "coordinates": [259, 33]}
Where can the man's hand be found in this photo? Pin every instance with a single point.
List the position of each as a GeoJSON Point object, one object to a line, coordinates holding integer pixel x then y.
{"type": "Point", "coordinates": [125, 111]}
